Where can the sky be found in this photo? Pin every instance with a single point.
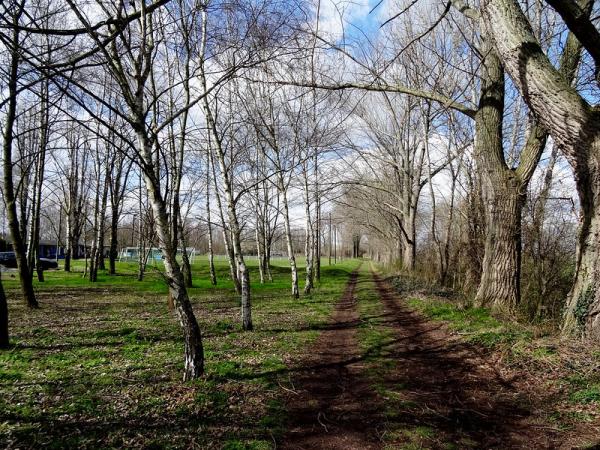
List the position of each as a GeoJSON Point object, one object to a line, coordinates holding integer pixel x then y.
{"type": "Point", "coordinates": [350, 19]}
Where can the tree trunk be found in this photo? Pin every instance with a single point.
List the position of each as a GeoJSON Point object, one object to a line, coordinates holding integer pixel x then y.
{"type": "Point", "coordinates": [69, 241]}
{"type": "Point", "coordinates": [408, 239]}
{"type": "Point", "coordinates": [186, 265]}
{"type": "Point", "coordinates": [408, 256]}
{"type": "Point", "coordinates": [9, 191]}
{"type": "Point", "coordinates": [473, 245]}
{"type": "Point", "coordinates": [259, 254]}
{"type": "Point", "coordinates": [96, 221]}
{"type": "Point", "coordinates": [141, 238]}
{"type": "Point", "coordinates": [211, 256]}
{"type": "Point", "coordinates": [4, 337]}
{"type": "Point", "coordinates": [308, 242]}
{"type": "Point", "coordinates": [267, 239]}
{"type": "Point", "coordinates": [226, 237]}
{"type": "Point", "coordinates": [36, 202]}
{"type": "Point", "coordinates": [288, 238]}
{"type": "Point", "coordinates": [499, 287]}
{"type": "Point", "coordinates": [317, 230]}
{"type": "Point", "coordinates": [244, 274]}
{"type": "Point", "coordinates": [267, 234]}
{"type": "Point", "coordinates": [574, 126]}
{"type": "Point", "coordinates": [582, 311]}
{"type": "Point", "coordinates": [194, 352]}
{"type": "Point", "coordinates": [114, 241]}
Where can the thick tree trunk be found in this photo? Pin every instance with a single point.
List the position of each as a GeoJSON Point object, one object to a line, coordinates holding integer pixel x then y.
{"type": "Point", "coordinates": [573, 124]}
{"type": "Point", "coordinates": [409, 252]}
{"type": "Point", "coordinates": [473, 244]}
{"type": "Point", "coordinates": [499, 287]}
{"type": "Point", "coordinates": [500, 272]}
{"type": "Point", "coordinates": [582, 311]}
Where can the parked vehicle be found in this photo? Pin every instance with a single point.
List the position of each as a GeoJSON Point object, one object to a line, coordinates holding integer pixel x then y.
{"type": "Point", "coordinates": [9, 261]}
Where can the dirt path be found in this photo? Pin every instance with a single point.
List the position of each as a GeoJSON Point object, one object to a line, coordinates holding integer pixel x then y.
{"type": "Point", "coordinates": [443, 385]}
{"type": "Point", "coordinates": [333, 406]}
{"type": "Point", "coordinates": [452, 389]}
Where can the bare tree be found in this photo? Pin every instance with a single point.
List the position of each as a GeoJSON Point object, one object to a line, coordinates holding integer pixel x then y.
{"type": "Point", "coordinates": [131, 64]}
{"type": "Point", "coordinates": [572, 122]}
{"type": "Point", "coordinates": [13, 42]}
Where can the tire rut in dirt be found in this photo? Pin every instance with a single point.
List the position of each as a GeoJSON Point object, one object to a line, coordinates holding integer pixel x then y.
{"type": "Point", "coordinates": [450, 388]}
{"type": "Point", "coordinates": [333, 406]}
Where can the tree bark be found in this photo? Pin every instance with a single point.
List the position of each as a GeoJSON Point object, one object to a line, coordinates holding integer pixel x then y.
{"type": "Point", "coordinates": [114, 241]}
{"type": "Point", "coordinates": [309, 238]}
{"type": "Point", "coordinates": [499, 286]}
{"type": "Point", "coordinates": [17, 237]}
{"type": "Point", "coordinates": [288, 238]}
{"type": "Point", "coordinates": [575, 127]}
{"type": "Point", "coordinates": [243, 272]}
{"type": "Point", "coordinates": [193, 348]}
{"type": "Point", "coordinates": [186, 265]}
{"type": "Point", "coordinates": [34, 238]}
{"type": "Point", "coordinates": [225, 231]}
{"type": "Point", "coordinates": [211, 256]}
{"type": "Point", "coordinates": [317, 230]}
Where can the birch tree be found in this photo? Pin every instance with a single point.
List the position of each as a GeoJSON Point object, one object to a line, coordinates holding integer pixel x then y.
{"type": "Point", "coordinates": [130, 60]}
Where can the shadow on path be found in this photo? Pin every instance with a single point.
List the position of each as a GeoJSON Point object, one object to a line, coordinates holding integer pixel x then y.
{"type": "Point", "coordinates": [446, 386]}
{"type": "Point", "coordinates": [332, 406]}
{"type": "Point", "coordinates": [445, 394]}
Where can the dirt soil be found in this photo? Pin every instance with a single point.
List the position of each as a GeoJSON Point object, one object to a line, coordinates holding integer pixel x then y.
{"type": "Point", "coordinates": [451, 386]}
{"type": "Point", "coordinates": [332, 405]}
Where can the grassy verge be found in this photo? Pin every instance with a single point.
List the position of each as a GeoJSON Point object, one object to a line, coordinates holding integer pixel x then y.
{"type": "Point", "coordinates": [99, 365]}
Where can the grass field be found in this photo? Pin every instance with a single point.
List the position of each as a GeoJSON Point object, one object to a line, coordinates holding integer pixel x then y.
{"type": "Point", "coordinates": [99, 365]}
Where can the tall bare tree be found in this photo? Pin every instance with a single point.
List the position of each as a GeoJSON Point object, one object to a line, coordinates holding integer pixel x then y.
{"type": "Point", "coordinates": [572, 122]}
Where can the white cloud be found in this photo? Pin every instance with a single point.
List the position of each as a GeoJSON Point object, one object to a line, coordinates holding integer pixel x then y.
{"type": "Point", "coordinates": [337, 17]}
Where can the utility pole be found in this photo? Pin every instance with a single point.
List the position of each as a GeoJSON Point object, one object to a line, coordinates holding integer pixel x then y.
{"type": "Point", "coordinates": [330, 238]}
{"type": "Point", "coordinates": [335, 245]}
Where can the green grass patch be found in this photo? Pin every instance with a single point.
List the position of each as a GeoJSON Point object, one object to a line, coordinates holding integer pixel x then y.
{"type": "Point", "coordinates": [477, 325]}
{"type": "Point", "coordinates": [98, 359]}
